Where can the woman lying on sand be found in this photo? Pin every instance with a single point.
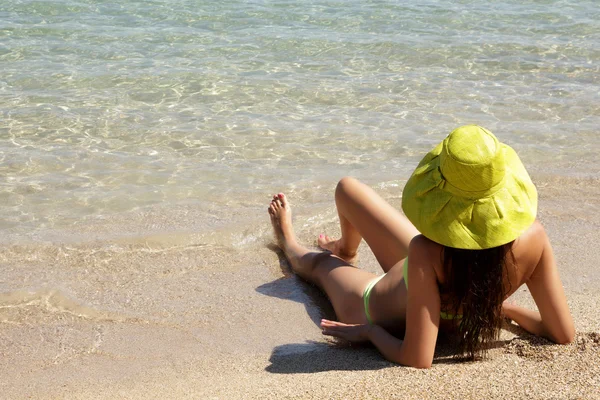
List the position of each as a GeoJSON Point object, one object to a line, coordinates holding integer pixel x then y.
{"type": "Point", "coordinates": [471, 240]}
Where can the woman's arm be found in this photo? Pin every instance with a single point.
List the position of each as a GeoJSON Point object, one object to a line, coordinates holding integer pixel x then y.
{"type": "Point", "coordinates": [527, 319]}
{"type": "Point", "coordinates": [392, 348]}
{"type": "Point", "coordinates": [553, 321]}
{"type": "Point", "coordinates": [388, 345]}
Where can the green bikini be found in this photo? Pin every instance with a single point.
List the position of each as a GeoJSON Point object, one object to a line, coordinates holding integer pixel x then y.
{"type": "Point", "coordinates": [371, 285]}
{"type": "Point", "coordinates": [367, 294]}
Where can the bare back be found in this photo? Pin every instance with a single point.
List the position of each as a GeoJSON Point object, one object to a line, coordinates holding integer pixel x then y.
{"type": "Point", "coordinates": [533, 265]}
{"type": "Point", "coordinates": [527, 250]}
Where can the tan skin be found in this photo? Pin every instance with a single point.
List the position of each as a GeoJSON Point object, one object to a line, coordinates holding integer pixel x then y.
{"type": "Point", "coordinates": [394, 309]}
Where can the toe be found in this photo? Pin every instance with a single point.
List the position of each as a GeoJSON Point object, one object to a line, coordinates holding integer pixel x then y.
{"type": "Point", "coordinates": [283, 199]}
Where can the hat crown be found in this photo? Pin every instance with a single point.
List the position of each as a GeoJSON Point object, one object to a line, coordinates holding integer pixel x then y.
{"type": "Point", "coordinates": [472, 159]}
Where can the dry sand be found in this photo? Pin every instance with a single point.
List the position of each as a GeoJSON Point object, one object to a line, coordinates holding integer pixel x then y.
{"type": "Point", "coordinates": [128, 320]}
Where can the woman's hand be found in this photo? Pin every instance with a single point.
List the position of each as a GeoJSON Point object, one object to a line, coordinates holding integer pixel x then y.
{"type": "Point", "coordinates": [506, 305]}
{"type": "Point", "coordinates": [351, 332]}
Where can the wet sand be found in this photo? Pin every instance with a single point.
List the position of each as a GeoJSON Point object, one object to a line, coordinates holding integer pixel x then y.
{"type": "Point", "coordinates": [197, 314]}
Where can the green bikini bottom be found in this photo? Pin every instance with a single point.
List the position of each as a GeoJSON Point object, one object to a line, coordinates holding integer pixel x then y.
{"type": "Point", "coordinates": [371, 285]}
{"type": "Point", "coordinates": [367, 294]}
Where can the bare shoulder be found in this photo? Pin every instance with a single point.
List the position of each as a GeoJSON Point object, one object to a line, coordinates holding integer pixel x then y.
{"type": "Point", "coordinates": [530, 249]}
{"type": "Point", "coordinates": [536, 229]}
{"type": "Point", "coordinates": [427, 254]}
{"type": "Point", "coordinates": [532, 242]}
{"type": "Point", "coordinates": [424, 248]}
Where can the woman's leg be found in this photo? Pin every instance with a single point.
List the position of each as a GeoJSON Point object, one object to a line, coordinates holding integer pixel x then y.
{"type": "Point", "coordinates": [343, 283]}
{"type": "Point", "coordinates": [364, 214]}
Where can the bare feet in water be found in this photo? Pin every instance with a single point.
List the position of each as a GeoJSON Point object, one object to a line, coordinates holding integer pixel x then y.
{"type": "Point", "coordinates": [335, 247]}
{"type": "Point", "coordinates": [281, 219]}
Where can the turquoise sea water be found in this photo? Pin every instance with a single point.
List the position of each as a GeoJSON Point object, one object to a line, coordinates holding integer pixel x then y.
{"type": "Point", "coordinates": [111, 109]}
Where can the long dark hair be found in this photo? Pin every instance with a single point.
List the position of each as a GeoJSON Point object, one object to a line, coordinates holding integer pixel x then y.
{"type": "Point", "coordinates": [475, 286]}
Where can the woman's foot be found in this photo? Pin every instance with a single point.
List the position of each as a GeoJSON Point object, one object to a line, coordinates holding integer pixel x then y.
{"type": "Point", "coordinates": [335, 247]}
{"type": "Point", "coordinates": [301, 259]}
{"type": "Point", "coordinates": [281, 219]}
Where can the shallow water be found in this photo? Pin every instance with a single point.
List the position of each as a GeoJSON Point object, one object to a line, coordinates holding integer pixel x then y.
{"type": "Point", "coordinates": [109, 108]}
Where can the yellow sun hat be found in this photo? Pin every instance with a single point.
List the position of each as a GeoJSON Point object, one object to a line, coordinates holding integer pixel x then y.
{"type": "Point", "coordinates": [470, 192]}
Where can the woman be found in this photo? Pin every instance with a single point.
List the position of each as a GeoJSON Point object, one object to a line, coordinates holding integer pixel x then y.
{"type": "Point", "coordinates": [469, 240]}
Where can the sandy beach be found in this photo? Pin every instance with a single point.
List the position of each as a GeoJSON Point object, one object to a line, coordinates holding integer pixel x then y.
{"type": "Point", "coordinates": [247, 328]}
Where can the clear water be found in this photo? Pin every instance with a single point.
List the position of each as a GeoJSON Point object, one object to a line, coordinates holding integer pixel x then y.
{"type": "Point", "coordinates": [151, 108]}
